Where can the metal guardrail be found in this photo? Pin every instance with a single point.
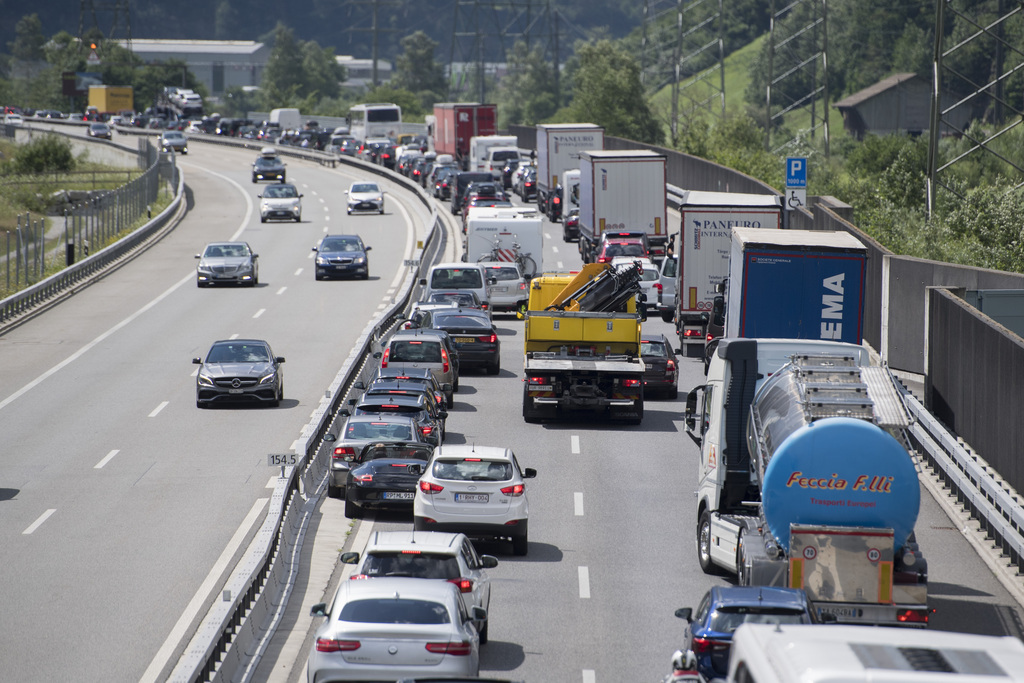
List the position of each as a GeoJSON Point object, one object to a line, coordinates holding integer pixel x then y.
{"type": "Point", "coordinates": [994, 505]}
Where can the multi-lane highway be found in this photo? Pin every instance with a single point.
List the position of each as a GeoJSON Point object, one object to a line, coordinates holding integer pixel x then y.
{"type": "Point", "coordinates": [123, 505]}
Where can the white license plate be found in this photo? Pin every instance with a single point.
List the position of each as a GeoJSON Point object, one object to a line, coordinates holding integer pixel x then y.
{"type": "Point", "coordinates": [397, 495]}
{"type": "Point", "coordinates": [464, 340]}
{"type": "Point", "coordinates": [840, 611]}
{"type": "Point", "coordinates": [471, 497]}
{"type": "Point", "coordinates": [234, 391]}
{"type": "Point", "coordinates": [499, 289]}
{"type": "Point", "coordinates": [540, 387]}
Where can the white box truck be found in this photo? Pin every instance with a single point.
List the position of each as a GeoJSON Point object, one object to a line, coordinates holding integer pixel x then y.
{"type": "Point", "coordinates": [558, 150]}
{"type": "Point", "coordinates": [288, 119]}
{"type": "Point", "coordinates": [705, 242]}
{"type": "Point", "coordinates": [480, 145]}
{"type": "Point", "coordinates": [497, 229]}
{"type": "Point", "coordinates": [622, 191]}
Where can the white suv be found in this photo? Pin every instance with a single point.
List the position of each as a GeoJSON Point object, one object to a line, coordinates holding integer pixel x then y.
{"type": "Point", "coordinates": [475, 490]}
{"type": "Point", "coordinates": [429, 555]}
{"type": "Point", "coordinates": [508, 291]}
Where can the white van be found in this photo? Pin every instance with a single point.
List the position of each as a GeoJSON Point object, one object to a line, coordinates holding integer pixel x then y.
{"type": "Point", "coordinates": [479, 145]}
{"type": "Point", "coordinates": [830, 653]}
{"type": "Point", "coordinates": [496, 158]}
{"type": "Point", "coordinates": [445, 277]}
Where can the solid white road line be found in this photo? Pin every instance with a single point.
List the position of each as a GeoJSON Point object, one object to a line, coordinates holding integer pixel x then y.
{"type": "Point", "coordinates": [178, 632]}
{"type": "Point", "coordinates": [104, 461]}
{"type": "Point", "coordinates": [281, 291]}
{"type": "Point", "coordinates": [39, 522]}
{"type": "Point", "coordinates": [259, 313]}
{"type": "Point", "coordinates": [156, 411]}
{"type": "Point", "coordinates": [577, 501]}
{"type": "Point", "coordinates": [589, 676]}
{"type": "Point", "coordinates": [584, 582]}
{"type": "Point", "coordinates": [574, 443]}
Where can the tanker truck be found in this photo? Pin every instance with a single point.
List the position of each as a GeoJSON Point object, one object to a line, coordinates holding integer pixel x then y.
{"type": "Point", "coordinates": [806, 478]}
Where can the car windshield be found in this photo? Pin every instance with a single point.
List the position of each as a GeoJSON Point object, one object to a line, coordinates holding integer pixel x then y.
{"type": "Point", "coordinates": [264, 162]}
{"type": "Point", "coordinates": [652, 348]}
{"type": "Point", "coordinates": [238, 353]}
{"type": "Point", "coordinates": [501, 273]}
{"type": "Point", "coordinates": [228, 250]}
{"type": "Point", "coordinates": [668, 268]}
{"type": "Point", "coordinates": [728, 620]}
{"type": "Point", "coordinates": [379, 430]}
{"type": "Point", "coordinates": [472, 470]}
{"type": "Point", "coordinates": [379, 451]}
{"type": "Point", "coordinates": [460, 320]}
{"type": "Point", "coordinates": [281, 192]}
{"type": "Point", "coordinates": [624, 249]}
{"type": "Point", "coordinates": [460, 298]}
{"type": "Point", "coordinates": [418, 565]}
{"type": "Point", "coordinates": [365, 187]}
{"type": "Point", "coordinates": [394, 611]}
{"type": "Point", "coordinates": [415, 351]}
{"type": "Point", "coordinates": [173, 136]}
{"type": "Point", "coordinates": [457, 278]}
{"type": "Point", "coordinates": [340, 244]}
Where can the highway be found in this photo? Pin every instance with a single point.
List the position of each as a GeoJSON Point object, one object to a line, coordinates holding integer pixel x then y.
{"type": "Point", "coordinates": [124, 505]}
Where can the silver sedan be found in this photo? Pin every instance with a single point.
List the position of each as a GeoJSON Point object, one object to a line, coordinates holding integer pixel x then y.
{"type": "Point", "coordinates": [233, 263]}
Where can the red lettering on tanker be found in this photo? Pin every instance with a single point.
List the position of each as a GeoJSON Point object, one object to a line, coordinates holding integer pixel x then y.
{"type": "Point", "coordinates": [865, 483]}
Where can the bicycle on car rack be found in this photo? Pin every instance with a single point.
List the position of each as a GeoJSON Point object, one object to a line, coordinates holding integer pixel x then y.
{"type": "Point", "coordinates": [525, 261]}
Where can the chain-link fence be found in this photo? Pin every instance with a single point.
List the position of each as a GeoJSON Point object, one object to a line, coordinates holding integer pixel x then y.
{"type": "Point", "coordinates": [42, 246]}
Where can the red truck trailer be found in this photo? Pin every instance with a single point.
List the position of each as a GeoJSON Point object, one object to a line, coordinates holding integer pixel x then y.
{"type": "Point", "coordinates": [457, 122]}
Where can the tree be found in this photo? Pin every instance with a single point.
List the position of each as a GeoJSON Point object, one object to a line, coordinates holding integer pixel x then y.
{"type": "Point", "coordinates": [526, 94]}
{"type": "Point", "coordinates": [418, 72]}
{"type": "Point", "coordinates": [29, 39]}
{"type": "Point", "coordinates": [608, 92]}
{"type": "Point", "coordinates": [280, 77]}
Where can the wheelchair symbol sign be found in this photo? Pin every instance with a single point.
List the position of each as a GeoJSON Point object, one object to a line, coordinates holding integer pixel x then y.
{"type": "Point", "coordinates": [796, 199]}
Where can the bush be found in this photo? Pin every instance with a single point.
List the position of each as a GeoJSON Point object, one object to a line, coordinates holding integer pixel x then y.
{"type": "Point", "coordinates": [44, 155]}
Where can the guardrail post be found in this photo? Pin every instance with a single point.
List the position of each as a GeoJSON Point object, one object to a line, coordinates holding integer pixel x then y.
{"type": "Point", "coordinates": [69, 242]}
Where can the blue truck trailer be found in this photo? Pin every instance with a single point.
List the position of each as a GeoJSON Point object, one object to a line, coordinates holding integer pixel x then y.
{"type": "Point", "coordinates": [795, 284]}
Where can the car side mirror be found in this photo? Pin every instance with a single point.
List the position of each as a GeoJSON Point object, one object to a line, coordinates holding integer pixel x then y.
{"type": "Point", "coordinates": [260, 196]}
{"type": "Point", "coordinates": [690, 413]}
{"type": "Point", "coordinates": [199, 256]}
{"type": "Point", "coordinates": [479, 613]}
{"type": "Point", "coordinates": [377, 355]}
{"type": "Point", "coordinates": [349, 558]}
{"type": "Point", "coordinates": [685, 613]}
{"type": "Point", "coordinates": [359, 385]}
{"type": "Point", "coordinates": [330, 438]}
{"type": "Point", "coordinates": [423, 281]}
{"type": "Point", "coordinates": [367, 248]}
{"type": "Point", "coordinates": [488, 561]}
{"type": "Point", "coordinates": [279, 359]}
{"type": "Point", "coordinates": [197, 361]}
{"type": "Point", "coordinates": [301, 195]}
{"type": "Point", "coordinates": [314, 249]}
{"type": "Point", "coordinates": [318, 610]}
{"type": "Point", "coordinates": [344, 412]}
{"type": "Point", "coordinates": [529, 473]}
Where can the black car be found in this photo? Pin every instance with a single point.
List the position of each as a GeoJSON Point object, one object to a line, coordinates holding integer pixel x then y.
{"type": "Point", "coordinates": [392, 386]}
{"type": "Point", "coordinates": [386, 156]}
{"type": "Point", "coordinates": [239, 370]}
{"type": "Point", "coordinates": [417, 407]}
{"type": "Point", "coordinates": [461, 186]}
{"type": "Point", "coordinates": [381, 476]}
{"type": "Point", "coordinates": [473, 334]}
{"type": "Point", "coordinates": [421, 376]}
{"type": "Point", "coordinates": [661, 372]}
{"type": "Point", "coordinates": [571, 227]}
{"type": "Point", "coordinates": [342, 256]}
{"type": "Point", "coordinates": [268, 168]}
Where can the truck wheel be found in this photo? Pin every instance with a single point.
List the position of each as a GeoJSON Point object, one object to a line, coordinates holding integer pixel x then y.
{"type": "Point", "coordinates": [704, 542]}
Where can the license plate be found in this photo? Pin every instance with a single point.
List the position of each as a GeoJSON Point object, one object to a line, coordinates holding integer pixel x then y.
{"type": "Point", "coordinates": [541, 387]}
{"type": "Point", "coordinates": [499, 289]}
{"type": "Point", "coordinates": [234, 391]}
{"type": "Point", "coordinates": [464, 340]}
{"type": "Point", "coordinates": [397, 495]}
{"type": "Point", "coordinates": [471, 497]}
{"type": "Point", "coordinates": [840, 611]}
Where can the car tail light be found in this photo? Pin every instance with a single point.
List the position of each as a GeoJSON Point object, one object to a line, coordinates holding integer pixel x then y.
{"type": "Point", "coordinates": [522, 286]}
{"type": "Point", "coordinates": [329, 645]}
{"type": "Point", "coordinates": [490, 339]}
{"type": "Point", "coordinates": [444, 359]}
{"type": "Point", "coordinates": [603, 259]}
{"type": "Point", "coordinates": [709, 337]}
{"type": "Point", "coordinates": [630, 382]}
{"type": "Point", "coordinates": [358, 577]}
{"type": "Point", "coordinates": [430, 487]}
{"type": "Point", "coordinates": [342, 451]}
{"type": "Point", "coordinates": [465, 585]}
{"type": "Point", "coordinates": [384, 359]}
{"type": "Point", "coordinates": [912, 616]}
{"type": "Point", "coordinates": [363, 478]}
{"type": "Point", "coordinates": [556, 200]}
{"type": "Point", "coordinates": [670, 365]}
{"type": "Point", "coordinates": [455, 648]}
{"type": "Point", "coordinates": [704, 646]}
{"type": "Point", "coordinates": [426, 430]}
{"type": "Point", "coordinates": [515, 490]}
{"type": "Point", "coordinates": [658, 286]}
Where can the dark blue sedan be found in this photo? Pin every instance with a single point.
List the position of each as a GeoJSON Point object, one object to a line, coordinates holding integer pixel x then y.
{"type": "Point", "coordinates": [342, 256]}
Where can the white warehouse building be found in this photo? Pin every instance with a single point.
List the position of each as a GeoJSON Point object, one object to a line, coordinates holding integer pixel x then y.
{"type": "Point", "coordinates": [217, 64]}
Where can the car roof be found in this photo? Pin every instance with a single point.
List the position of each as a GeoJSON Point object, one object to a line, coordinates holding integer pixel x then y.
{"type": "Point", "coordinates": [405, 587]}
{"type": "Point", "coordinates": [628, 260]}
{"type": "Point", "coordinates": [228, 244]}
{"type": "Point", "coordinates": [473, 451]}
{"type": "Point", "coordinates": [758, 596]}
{"type": "Point", "coordinates": [433, 541]}
{"type": "Point", "coordinates": [386, 417]}
{"type": "Point", "coordinates": [417, 372]}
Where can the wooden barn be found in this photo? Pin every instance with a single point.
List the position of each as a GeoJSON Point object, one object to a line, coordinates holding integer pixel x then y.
{"type": "Point", "coordinates": [898, 104]}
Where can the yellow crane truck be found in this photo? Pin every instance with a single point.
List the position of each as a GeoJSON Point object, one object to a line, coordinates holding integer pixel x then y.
{"type": "Point", "coordinates": [582, 345]}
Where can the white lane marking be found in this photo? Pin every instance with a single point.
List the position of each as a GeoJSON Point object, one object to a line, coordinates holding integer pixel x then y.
{"type": "Point", "coordinates": [383, 306]}
{"type": "Point", "coordinates": [574, 443]}
{"type": "Point", "coordinates": [272, 484]}
{"type": "Point", "coordinates": [188, 279]}
{"type": "Point", "coordinates": [281, 291]}
{"type": "Point", "coordinates": [163, 655]}
{"type": "Point", "coordinates": [554, 249]}
{"type": "Point", "coordinates": [547, 236]}
{"type": "Point", "coordinates": [299, 271]}
{"type": "Point", "coordinates": [577, 503]}
{"type": "Point", "coordinates": [560, 266]}
{"type": "Point", "coordinates": [108, 458]}
{"type": "Point", "coordinates": [325, 229]}
{"type": "Point", "coordinates": [259, 313]}
{"type": "Point", "coordinates": [234, 336]}
{"type": "Point", "coordinates": [589, 676]}
{"type": "Point", "coordinates": [39, 522]}
{"type": "Point", "coordinates": [195, 373]}
{"type": "Point", "coordinates": [584, 582]}
{"type": "Point", "coordinates": [312, 254]}
{"type": "Point", "coordinates": [156, 411]}
{"type": "Point", "coordinates": [327, 217]}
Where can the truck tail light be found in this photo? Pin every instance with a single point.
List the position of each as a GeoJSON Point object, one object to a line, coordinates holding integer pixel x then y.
{"type": "Point", "coordinates": [455, 648]}
{"type": "Point", "coordinates": [430, 488]}
{"type": "Point", "coordinates": [537, 380]}
{"type": "Point", "coordinates": [465, 585]}
{"type": "Point", "coordinates": [329, 645]}
{"type": "Point", "coordinates": [514, 491]}
{"type": "Point", "coordinates": [913, 616]}
{"type": "Point", "coordinates": [691, 332]}
{"type": "Point", "coordinates": [631, 383]}
{"type": "Point", "coordinates": [384, 359]}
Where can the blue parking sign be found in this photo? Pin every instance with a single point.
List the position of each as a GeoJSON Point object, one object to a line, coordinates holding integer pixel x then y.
{"type": "Point", "coordinates": [796, 172]}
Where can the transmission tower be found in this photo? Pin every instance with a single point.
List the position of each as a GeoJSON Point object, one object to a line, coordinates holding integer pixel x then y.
{"type": "Point", "coordinates": [359, 24]}
{"type": "Point", "coordinates": [117, 11]}
{"type": "Point", "coordinates": [797, 68]}
{"type": "Point", "coordinates": [953, 90]}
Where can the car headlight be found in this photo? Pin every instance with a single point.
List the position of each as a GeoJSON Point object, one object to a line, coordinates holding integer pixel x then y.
{"type": "Point", "coordinates": [321, 261]}
{"type": "Point", "coordinates": [204, 269]}
{"type": "Point", "coordinates": [269, 377]}
{"type": "Point", "coordinates": [359, 261]}
{"type": "Point", "coordinates": [204, 380]}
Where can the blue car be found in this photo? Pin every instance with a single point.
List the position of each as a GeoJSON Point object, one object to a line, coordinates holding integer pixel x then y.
{"type": "Point", "coordinates": [709, 630]}
{"type": "Point", "coordinates": [342, 256]}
